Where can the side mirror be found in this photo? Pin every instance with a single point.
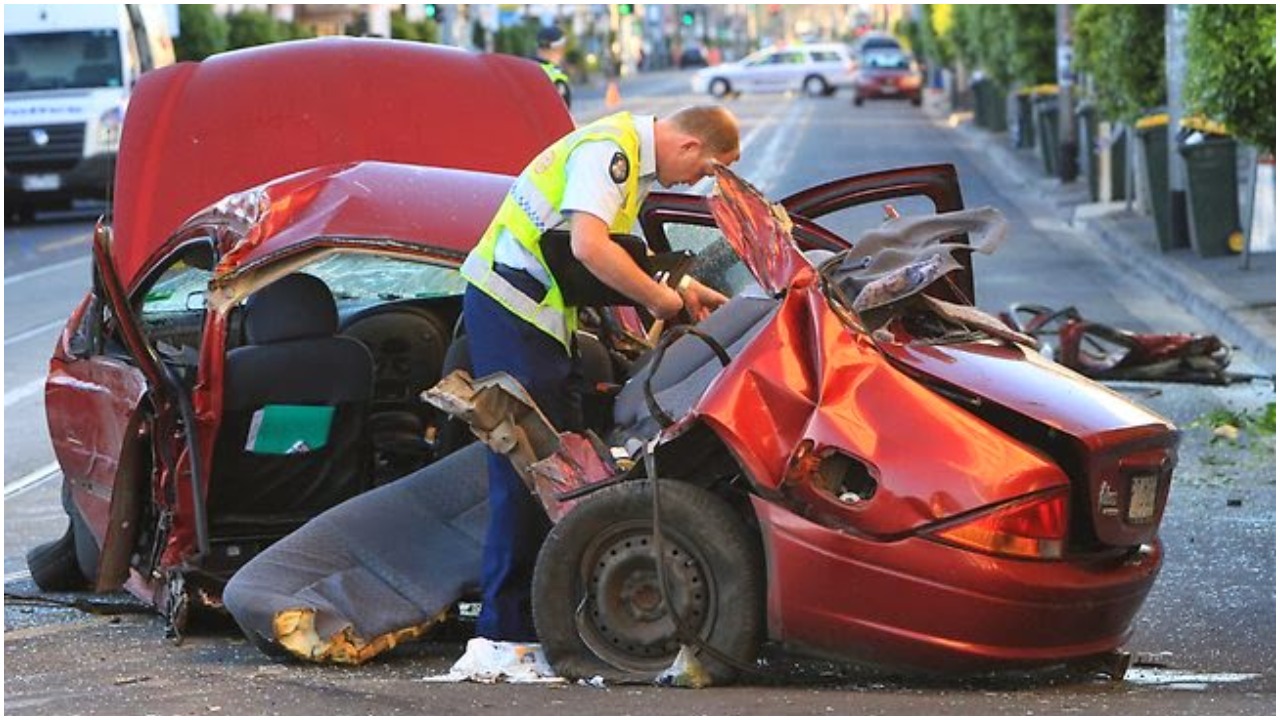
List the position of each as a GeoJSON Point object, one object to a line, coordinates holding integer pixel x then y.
{"type": "Point", "coordinates": [195, 300]}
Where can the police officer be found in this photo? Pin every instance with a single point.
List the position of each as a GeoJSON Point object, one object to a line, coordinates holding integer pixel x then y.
{"type": "Point", "coordinates": [550, 54]}
{"type": "Point", "coordinates": [592, 182]}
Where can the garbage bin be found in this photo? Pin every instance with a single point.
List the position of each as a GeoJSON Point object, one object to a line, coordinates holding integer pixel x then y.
{"type": "Point", "coordinates": [1087, 135]}
{"type": "Point", "coordinates": [1025, 129]}
{"type": "Point", "coordinates": [1212, 202]}
{"type": "Point", "coordinates": [1153, 138]}
{"type": "Point", "coordinates": [981, 87]}
{"type": "Point", "coordinates": [1119, 161]}
{"type": "Point", "coordinates": [1047, 132]}
{"type": "Point", "coordinates": [997, 108]}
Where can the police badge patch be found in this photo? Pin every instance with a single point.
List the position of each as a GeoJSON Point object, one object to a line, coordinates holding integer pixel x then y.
{"type": "Point", "coordinates": [619, 168]}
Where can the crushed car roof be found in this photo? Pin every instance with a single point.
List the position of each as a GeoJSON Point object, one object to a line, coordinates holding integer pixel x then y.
{"type": "Point", "coordinates": [196, 132]}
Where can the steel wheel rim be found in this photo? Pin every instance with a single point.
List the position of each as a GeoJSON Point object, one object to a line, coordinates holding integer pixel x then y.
{"type": "Point", "coordinates": [624, 620]}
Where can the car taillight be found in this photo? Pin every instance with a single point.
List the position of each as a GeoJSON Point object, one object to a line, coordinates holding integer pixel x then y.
{"type": "Point", "coordinates": [1033, 528]}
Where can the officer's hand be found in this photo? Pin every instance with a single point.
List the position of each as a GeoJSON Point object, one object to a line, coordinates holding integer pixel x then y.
{"type": "Point", "coordinates": [701, 300]}
{"type": "Point", "coordinates": [669, 306]}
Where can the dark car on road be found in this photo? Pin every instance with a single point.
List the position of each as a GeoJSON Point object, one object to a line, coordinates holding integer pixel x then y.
{"type": "Point", "coordinates": [693, 57]}
{"type": "Point", "coordinates": [887, 75]}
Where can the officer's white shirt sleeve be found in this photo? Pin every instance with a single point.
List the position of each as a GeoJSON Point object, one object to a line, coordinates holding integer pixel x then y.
{"type": "Point", "coordinates": [589, 188]}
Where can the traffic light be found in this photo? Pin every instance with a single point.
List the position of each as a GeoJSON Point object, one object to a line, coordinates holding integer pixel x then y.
{"type": "Point", "coordinates": [432, 11]}
{"type": "Point", "coordinates": [686, 18]}
{"type": "Point", "coordinates": [626, 9]}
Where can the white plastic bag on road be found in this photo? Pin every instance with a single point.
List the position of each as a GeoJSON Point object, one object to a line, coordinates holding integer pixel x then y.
{"type": "Point", "coordinates": [489, 661]}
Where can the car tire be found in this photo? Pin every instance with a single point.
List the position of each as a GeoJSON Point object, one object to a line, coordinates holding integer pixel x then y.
{"type": "Point", "coordinates": [816, 86]}
{"type": "Point", "coordinates": [857, 100]}
{"type": "Point", "coordinates": [54, 565]}
{"type": "Point", "coordinates": [719, 87]}
{"type": "Point", "coordinates": [916, 101]}
{"type": "Point", "coordinates": [598, 605]}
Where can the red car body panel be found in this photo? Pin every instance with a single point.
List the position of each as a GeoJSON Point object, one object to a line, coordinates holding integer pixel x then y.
{"type": "Point", "coordinates": [182, 150]}
{"type": "Point", "coordinates": [808, 377]}
{"type": "Point", "coordinates": [921, 604]}
{"type": "Point", "coordinates": [200, 131]}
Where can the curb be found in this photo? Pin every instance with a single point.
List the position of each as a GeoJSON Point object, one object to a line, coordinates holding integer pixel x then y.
{"type": "Point", "coordinates": [1179, 283]}
{"type": "Point", "coordinates": [1190, 289]}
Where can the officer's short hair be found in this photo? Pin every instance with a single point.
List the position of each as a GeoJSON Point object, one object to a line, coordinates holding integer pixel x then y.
{"type": "Point", "coordinates": [714, 125]}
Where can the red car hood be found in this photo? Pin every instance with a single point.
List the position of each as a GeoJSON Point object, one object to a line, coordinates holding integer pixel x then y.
{"type": "Point", "coordinates": [196, 132]}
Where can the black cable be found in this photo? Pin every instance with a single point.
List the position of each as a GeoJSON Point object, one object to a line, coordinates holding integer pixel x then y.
{"type": "Point", "coordinates": [686, 634]}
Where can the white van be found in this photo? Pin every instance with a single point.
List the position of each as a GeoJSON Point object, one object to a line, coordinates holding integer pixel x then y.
{"type": "Point", "coordinates": [68, 71]}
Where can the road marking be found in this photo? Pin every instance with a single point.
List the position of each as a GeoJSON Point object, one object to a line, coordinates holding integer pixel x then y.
{"type": "Point", "coordinates": [24, 391]}
{"type": "Point", "coordinates": [16, 576]}
{"type": "Point", "coordinates": [1183, 679]}
{"type": "Point", "coordinates": [68, 242]}
{"type": "Point", "coordinates": [31, 479]}
{"type": "Point", "coordinates": [46, 270]}
{"type": "Point", "coordinates": [34, 332]}
{"type": "Point", "coordinates": [703, 186]}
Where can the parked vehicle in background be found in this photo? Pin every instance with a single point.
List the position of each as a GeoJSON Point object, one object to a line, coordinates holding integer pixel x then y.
{"type": "Point", "coordinates": [875, 41]}
{"type": "Point", "coordinates": [693, 57]}
{"type": "Point", "coordinates": [887, 74]}
{"type": "Point", "coordinates": [68, 73]}
{"type": "Point", "coordinates": [818, 70]}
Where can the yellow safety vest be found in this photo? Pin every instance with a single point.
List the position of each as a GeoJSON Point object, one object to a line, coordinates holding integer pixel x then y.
{"type": "Point", "coordinates": [532, 207]}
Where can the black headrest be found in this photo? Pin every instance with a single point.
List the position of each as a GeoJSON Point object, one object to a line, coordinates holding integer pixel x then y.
{"type": "Point", "coordinates": [294, 307]}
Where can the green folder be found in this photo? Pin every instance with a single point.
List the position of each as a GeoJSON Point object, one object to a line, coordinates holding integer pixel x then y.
{"type": "Point", "coordinates": [289, 429]}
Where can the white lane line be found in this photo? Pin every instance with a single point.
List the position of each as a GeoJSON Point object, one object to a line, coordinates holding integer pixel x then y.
{"type": "Point", "coordinates": [46, 270]}
{"type": "Point", "coordinates": [30, 480]}
{"type": "Point", "coordinates": [24, 391]}
{"type": "Point", "coordinates": [15, 576]}
{"type": "Point", "coordinates": [772, 162]}
{"type": "Point", "coordinates": [703, 186]}
{"type": "Point", "coordinates": [34, 332]}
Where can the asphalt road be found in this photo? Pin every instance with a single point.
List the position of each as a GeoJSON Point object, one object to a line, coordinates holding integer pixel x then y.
{"type": "Point", "coordinates": [1205, 641]}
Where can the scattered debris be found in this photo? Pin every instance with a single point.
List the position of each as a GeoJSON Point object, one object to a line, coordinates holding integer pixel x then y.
{"type": "Point", "coordinates": [489, 661]}
{"type": "Point", "coordinates": [685, 671]}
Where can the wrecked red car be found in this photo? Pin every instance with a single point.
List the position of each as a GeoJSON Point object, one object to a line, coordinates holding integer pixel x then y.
{"type": "Point", "coordinates": [847, 459]}
{"type": "Point", "coordinates": [158, 366]}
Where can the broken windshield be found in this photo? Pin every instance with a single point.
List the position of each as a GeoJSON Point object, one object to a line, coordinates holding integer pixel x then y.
{"type": "Point", "coordinates": [365, 276]}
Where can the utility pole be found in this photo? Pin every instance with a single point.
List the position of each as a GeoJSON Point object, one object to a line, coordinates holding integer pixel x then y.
{"type": "Point", "coordinates": [1068, 147]}
{"type": "Point", "coordinates": [1175, 61]}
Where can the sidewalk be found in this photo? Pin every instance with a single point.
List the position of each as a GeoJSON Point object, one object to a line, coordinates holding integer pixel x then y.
{"type": "Point", "coordinates": [1238, 303]}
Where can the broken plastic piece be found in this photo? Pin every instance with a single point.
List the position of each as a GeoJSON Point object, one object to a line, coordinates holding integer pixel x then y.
{"type": "Point", "coordinates": [685, 671]}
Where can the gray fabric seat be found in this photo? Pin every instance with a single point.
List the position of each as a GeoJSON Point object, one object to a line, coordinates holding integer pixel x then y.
{"type": "Point", "coordinates": [392, 558]}
{"type": "Point", "coordinates": [688, 367]}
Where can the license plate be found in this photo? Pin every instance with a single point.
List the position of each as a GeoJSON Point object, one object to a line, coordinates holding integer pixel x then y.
{"type": "Point", "coordinates": [41, 183]}
{"type": "Point", "coordinates": [889, 89]}
{"type": "Point", "coordinates": [1142, 498]}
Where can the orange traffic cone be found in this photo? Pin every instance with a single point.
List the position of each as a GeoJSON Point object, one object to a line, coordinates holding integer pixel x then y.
{"type": "Point", "coordinates": [612, 98]}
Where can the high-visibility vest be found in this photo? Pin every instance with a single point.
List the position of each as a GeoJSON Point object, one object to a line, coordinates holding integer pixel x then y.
{"type": "Point", "coordinates": [532, 207]}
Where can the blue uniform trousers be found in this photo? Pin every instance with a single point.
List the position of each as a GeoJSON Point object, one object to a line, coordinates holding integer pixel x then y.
{"type": "Point", "coordinates": [501, 342]}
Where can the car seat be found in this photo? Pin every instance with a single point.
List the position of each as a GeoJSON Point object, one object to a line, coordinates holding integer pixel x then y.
{"type": "Point", "coordinates": [293, 439]}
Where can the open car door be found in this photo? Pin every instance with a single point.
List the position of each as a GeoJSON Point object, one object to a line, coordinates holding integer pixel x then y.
{"type": "Point", "coordinates": [937, 186]}
{"type": "Point", "coordinates": [676, 221]}
{"type": "Point", "coordinates": [105, 462]}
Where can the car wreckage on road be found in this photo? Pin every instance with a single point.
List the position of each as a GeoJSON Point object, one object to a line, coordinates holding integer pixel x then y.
{"type": "Point", "coordinates": [262, 403]}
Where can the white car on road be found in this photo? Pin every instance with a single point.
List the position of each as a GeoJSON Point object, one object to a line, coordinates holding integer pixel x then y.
{"type": "Point", "coordinates": [817, 69]}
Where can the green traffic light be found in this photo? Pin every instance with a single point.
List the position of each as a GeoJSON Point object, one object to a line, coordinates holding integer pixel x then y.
{"type": "Point", "coordinates": [626, 9]}
{"type": "Point", "coordinates": [687, 18]}
{"type": "Point", "coordinates": [431, 11]}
